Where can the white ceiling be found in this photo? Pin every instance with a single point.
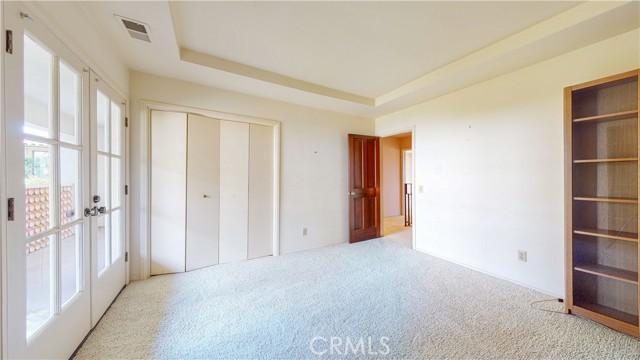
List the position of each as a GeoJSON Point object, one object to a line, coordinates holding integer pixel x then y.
{"type": "Point", "coordinates": [363, 58]}
{"type": "Point", "coordinates": [362, 48]}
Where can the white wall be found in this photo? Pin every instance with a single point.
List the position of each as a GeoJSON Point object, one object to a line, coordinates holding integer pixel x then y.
{"type": "Point", "coordinates": [391, 176]}
{"type": "Point", "coordinates": [72, 25]}
{"type": "Point", "coordinates": [490, 158]}
{"type": "Point", "coordinates": [314, 160]}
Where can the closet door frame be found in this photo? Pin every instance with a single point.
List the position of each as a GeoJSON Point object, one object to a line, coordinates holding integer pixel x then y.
{"type": "Point", "coordinates": [145, 179]}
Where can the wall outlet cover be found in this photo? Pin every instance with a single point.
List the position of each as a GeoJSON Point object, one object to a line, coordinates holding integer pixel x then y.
{"type": "Point", "coordinates": [522, 255]}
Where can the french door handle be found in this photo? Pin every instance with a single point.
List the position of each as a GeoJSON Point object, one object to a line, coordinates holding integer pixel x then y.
{"type": "Point", "coordinates": [94, 211]}
{"type": "Point", "coordinates": [353, 193]}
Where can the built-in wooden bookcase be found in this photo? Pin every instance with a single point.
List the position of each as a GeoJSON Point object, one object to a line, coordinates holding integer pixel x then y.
{"type": "Point", "coordinates": [601, 187]}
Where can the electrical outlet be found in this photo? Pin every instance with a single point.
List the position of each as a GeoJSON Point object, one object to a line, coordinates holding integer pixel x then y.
{"type": "Point", "coordinates": [420, 188]}
{"type": "Point", "coordinates": [304, 231]}
{"type": "Point", "coordinates": [522, 255]}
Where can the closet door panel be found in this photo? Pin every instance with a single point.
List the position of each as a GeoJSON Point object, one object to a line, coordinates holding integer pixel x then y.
{"type": "Point", "coordinates": [203, 191]}
{"type": "Point", "coordinates": [168, 197]}
{"type": "Point", "coordinates": [234, 190]}
{"type": "Point", "coordinates": [260, 233]}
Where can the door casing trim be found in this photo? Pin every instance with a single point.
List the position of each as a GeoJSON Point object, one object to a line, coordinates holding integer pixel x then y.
{"type": "Point", "coordinates": [397, 131]}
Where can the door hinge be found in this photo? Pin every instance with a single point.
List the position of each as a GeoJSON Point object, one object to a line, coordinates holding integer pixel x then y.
{"type": "Point", "coordinates": [9, 38]}
{"type": "Point", "coordinates": [126, 189]}
{"type": "Point", "coordinates": [126, 122]}
{"type": "Point", "coordinates": [126, 256]}
{"type": "Point", "coordinates": [10, 210]}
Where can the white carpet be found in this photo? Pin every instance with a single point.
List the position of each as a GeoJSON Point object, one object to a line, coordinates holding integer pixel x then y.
{"type": "Point", "coordinates": [272, 308]}
{"type": "Point", "coordinates": [395, 231]}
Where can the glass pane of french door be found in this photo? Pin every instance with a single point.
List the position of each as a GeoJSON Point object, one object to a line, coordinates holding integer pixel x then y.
{"type": "Point", "coordinates": [52, 181]}
{"type": "Point", "coordinates": [108, 271]}
{"type": "Point", "coordinates": [104, 235]}
{"type": "Point", "coordinates": [109, 176]}
{"type": "Point", "coordinates": [38, 76]}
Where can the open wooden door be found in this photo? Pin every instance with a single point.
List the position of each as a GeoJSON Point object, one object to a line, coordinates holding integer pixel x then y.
{"type": "Point", "coordinates": [364, 187]}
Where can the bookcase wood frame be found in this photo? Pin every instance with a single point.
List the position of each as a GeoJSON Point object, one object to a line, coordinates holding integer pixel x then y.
{"type": "Point", "coordinates": [602, 250]}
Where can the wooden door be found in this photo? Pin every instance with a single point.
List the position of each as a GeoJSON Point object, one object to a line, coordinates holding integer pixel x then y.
{"type": "Point", "coordinates": [364, 187]}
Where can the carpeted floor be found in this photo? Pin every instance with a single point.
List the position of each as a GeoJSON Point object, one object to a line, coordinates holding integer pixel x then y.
{"type": "Point", "coordinates": [395, 231]}
{"type": "Point", "coordinates": [375, 299]}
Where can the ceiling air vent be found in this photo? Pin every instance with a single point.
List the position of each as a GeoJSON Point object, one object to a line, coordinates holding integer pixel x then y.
{"type": "Point", "coordinates": [135, 29]}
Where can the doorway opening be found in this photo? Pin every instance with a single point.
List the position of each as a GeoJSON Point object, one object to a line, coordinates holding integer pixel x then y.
{"type": "Point", "coordinates": [396, 155]}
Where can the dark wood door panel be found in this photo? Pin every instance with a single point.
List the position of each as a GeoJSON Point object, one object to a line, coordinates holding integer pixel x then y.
{"type": "Point", "coordinates": [371, 164]}
{"type": "Point", "coordinates": [356, 203]}
{"type": "Point", "coordinates": [357, 159]}
{"type": "Point", "coordinates": [364, 187]}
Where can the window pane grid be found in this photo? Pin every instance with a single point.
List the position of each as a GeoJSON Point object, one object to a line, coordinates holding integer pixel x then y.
{"type": "Point", "coordinates": [70, 185]}
{"type": "Point", "coordinates": [39, 172]}
{"type": "Point", "coordinates": [116, 128]}
{"type": "Point", "coordinates": [71, 262]}
{"type": "Point", "coordinates": [52, 142]}
{"type": "Point", "coordinates": [40, 270]}
{"type": "Point", "coordinates": [53, 185]}
{"type": "Point", "coordinates": [57, 229]}
{"type": "Point", "coordinates": [70, 104]}
{"type": "Point", "coordinates": [116, 180]}
{"type": "Point", "coordinates": [103, 119]}
{"type": "Point", "coordinates": [116, 232]}
{"type": "Point", "coordinates": [38, 89]}
{"type": "Point", "coordinates": [104, 242]}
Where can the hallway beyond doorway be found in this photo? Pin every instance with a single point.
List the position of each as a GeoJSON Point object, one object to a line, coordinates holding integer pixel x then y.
{"type": "Point", "coordinates": [394, 230]}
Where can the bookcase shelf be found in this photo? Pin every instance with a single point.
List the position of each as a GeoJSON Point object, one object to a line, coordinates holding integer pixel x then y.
{"type": "Point", "coordinates": [609, 312]}
{"type": "Point", "coordinates": [607, 234]}
{"type": "Point", "coordinates": [607, 199]}
{"type": "Point", "coordinates": [609, 117]}
{"type": "Point", "coordinates": [597, 161]}
{"type": "Point", "coordinates": [601, 201]}
{"type": "Point", "coordinates": [609, 272]}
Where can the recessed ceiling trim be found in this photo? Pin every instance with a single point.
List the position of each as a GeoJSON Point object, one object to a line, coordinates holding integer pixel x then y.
{"type": "Point", "coordinates": [538, 32]}
{"type": "Point", "coordinates": [535, 33]}
{"type": "Point", "coordinates": [221, 64]}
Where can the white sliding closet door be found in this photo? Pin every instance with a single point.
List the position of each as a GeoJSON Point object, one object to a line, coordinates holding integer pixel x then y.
{"type": "Point", "coordinates": [234, 191]}
{"type": "Point", "coordinates": [211, 191]}
{"type": "Point", "coordinates": [168, 196]}
{"type": "Point", "coordinates": [260, 191]}
{"type": "Point", "coordinates": [203, 191]}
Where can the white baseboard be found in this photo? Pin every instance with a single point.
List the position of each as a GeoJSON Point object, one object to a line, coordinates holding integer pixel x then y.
{"type": "Point", "coordinates": [491, 274]}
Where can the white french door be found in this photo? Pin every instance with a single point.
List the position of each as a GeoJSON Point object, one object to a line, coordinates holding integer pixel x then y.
{"type": "Point", "coordinates": [107, 189]}
{"type": "Point", "coordinates": [47, 239]}
{"type": "Point", "coordinates": [55, 288]}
